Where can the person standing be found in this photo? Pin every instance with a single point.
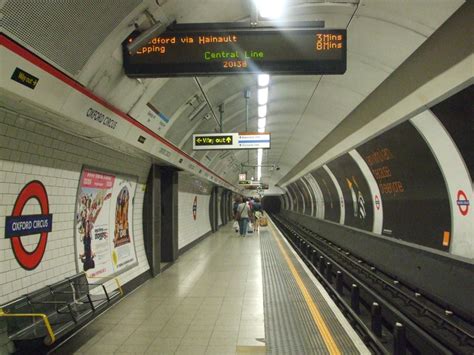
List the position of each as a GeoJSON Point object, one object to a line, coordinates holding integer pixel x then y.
{"type": "Point", "coordinates": [258, 212]}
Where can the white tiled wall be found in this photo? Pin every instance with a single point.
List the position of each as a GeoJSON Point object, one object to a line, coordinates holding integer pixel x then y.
{"type": "Point", "coordinates": [190, 229]}
{"type": "Point", "coordinates": [32, 151]}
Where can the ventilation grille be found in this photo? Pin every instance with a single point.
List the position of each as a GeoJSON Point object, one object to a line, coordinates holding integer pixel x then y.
{"type": "Point", "coordinates": [66, 32]}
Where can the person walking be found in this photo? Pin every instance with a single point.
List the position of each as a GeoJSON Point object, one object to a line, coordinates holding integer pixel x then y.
{"type": "Point", "coordinates": [242, 215]}
{"type": "Point", "coordinates": [235, 205]}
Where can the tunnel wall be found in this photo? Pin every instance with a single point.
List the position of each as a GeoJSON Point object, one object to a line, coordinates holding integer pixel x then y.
{"type": "Point", "coordinates": [31, 151]}
{"type": "Point", "coordinates": [412, 182]}
{"type": "Point", "coordinates": [193, 212]}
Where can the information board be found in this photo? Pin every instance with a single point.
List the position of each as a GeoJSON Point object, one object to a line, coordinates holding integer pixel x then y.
{"type": "Point", "coordinates": [186, 52]}
{"type": "Point", "coordinates": [222, 141]}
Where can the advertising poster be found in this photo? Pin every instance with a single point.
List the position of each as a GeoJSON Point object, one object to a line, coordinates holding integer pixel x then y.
{"type": "Point", "coordinates": [104, 219]}
{"type": "Point", "coordinates": [356, 192]}
{"type": "Point", "coordinates": [411, 185]}
{"type": "Point", "coordinates": [332, 208]}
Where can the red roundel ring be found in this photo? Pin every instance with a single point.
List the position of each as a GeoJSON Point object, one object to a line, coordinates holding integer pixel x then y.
{"type": "Point", "coordinates": [30, 260]}
{"type": "Point", "coordinates": [462, 202]}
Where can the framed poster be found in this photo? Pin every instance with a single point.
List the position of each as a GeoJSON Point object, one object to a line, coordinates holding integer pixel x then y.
{"type": "Point", "coordinates": [104, 237]}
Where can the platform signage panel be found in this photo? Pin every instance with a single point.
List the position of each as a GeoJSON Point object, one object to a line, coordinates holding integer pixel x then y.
{"type": "Point", "coordinates": [24, 78]}
{"type": "Point", "coordinates": [224, 141]}
{"type": "Point", "coordinates": [214, 140]}
{"type": "Point", "coordinates": [253, 185]}
{"type": "Point", "coordinates": [188, 50]}
{"type": "Point", "coordinates": [250, 140]}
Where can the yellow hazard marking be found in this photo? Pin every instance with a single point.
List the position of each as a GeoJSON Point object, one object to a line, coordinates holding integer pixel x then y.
{"type": "Point", "coordinates": [318, 319]}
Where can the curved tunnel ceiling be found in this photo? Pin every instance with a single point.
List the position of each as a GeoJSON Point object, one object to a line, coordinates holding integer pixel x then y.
{"type": "Point", "coordinates": [302, 110]}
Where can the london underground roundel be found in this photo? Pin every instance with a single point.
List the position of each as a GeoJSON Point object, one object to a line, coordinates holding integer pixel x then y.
{"type": "Point", "coordinates": [19, 225]}
{"type": "Point", "coordinates": [462, 202]}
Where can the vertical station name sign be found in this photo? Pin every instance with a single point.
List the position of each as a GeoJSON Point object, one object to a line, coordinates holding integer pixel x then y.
{"type": "Point", "coordinates": [203, 49]}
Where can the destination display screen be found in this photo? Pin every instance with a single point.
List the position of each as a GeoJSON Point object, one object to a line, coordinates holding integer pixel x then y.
{"type": "Point", "coordinates": [239, 51]}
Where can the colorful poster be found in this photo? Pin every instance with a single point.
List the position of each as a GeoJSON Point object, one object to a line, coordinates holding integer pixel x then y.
{"type": "Point", "coordinates": [104, 219]}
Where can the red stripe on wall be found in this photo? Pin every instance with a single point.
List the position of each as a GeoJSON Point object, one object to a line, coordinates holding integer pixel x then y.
{"type": "Point", "coordinates": [40, 63]}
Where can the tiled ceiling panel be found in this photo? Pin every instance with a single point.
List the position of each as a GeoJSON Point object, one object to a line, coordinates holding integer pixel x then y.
{"type": "Point", "coordinates": [65, 32]}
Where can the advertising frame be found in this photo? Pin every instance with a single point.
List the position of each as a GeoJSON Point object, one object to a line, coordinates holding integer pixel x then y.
{"type": "Point", "coordinates": [75, 234]}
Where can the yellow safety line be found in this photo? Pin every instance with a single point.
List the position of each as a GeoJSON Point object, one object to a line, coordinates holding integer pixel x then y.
{"type": "Point", "coordinates": [318, 319]}
{"type": "Point", "coordinates": [44, 317]}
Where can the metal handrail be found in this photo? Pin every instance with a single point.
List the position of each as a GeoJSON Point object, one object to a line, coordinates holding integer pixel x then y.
{"type": "Point", "coordinates": [43, 316]}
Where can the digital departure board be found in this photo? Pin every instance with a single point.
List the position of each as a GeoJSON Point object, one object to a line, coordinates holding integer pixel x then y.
{"type": "Point", "coordinates": [185, 52]}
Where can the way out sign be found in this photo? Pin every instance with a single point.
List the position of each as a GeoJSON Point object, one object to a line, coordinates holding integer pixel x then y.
{"type": "Point", "coordinates": [223, 141]}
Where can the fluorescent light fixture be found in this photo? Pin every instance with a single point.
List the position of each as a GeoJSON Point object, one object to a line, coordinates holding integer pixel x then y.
{"type": "Point", "coordinates": [262, 111]}
{"type": "Point", "coordinates": [263, 79]}
{"type": "Point", "coordinates": [259, 156]}
{"type": "Point", "coordinates": [263, 96]}
{"type": "Point", "coordinates": [270, 8]}
{"type": "Point", "coordinates": [261, 130]}
{"type": "Point", "coordinates": [259, 172]}
{"type": "Point", "coordinates": [262, 122]}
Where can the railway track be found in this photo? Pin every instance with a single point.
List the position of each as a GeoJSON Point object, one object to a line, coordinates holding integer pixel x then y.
{"type": "Point", "coordinates": [390, 316]}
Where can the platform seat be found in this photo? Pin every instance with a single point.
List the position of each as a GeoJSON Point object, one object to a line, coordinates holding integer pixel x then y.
{"type": "Point", "coordinates": [55, 310]}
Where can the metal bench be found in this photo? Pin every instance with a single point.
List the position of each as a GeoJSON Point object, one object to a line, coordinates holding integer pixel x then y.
{"type": "Point", "coordinates": [55, 310]}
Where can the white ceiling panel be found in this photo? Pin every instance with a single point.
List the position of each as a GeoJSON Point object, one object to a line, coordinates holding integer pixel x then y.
{"type": "Point", "coordinates": [302, 110]}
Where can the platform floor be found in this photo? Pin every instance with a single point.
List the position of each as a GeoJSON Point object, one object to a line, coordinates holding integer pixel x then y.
{"type": "Point", "coordinates": [211, 301]}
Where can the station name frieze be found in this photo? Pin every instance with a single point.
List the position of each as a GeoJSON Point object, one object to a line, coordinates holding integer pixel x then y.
{"type": "Point", "coordinates": [101, 118]}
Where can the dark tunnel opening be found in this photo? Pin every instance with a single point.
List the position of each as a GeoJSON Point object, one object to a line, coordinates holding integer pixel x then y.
{"type": "Point", "coordinates": [271, 204]}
